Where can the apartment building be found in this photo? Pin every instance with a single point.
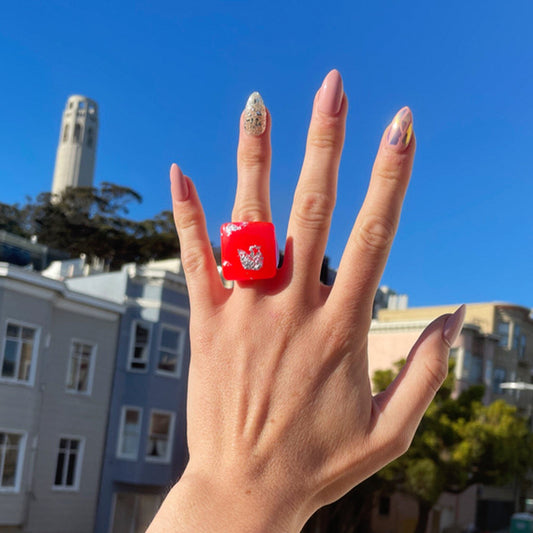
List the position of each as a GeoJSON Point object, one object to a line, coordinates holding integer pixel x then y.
{"type": "Point", "coordinates": [495, 347]}
{"type": "Point", "coordinates": [145, 450]}
{"type": "Point", "coordinates": [57, 355]}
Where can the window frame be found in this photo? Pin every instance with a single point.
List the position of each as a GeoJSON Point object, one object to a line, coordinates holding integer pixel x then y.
{"type": "Point", "coordinates": [170, 443]}
{"type": "Point", "coordinates": [34, 356]}
{"type": "Point", "coordinates": [92, 364]}
{"type": "Point", "coordinates": [20, 461]}
{"type": "Point", "coordinates": [78, 466]}
{"type": "Point", "coordinates": [122, 425]}
{"type": "Point", "coordinates": [179, 352]}
{"type": "Point", "coordinates": [131, 348]}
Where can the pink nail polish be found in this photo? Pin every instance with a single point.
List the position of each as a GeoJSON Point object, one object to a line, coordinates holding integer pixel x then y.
{"type": "Point", "coordinates": [401, 130]}
{"type": "Point", "coordinates": [178, 183]}
{"type": "Point", "coordinates": [331, 93]}
{"type": "Point", "coordinates": [453, 326]}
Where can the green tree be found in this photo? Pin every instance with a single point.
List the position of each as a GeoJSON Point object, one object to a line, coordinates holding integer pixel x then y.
{"type": "Point", "coordinates": [92, 221]}
{"type": "Point", "coordinates": [459, 442]}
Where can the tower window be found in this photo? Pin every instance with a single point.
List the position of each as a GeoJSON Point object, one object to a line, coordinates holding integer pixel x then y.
{"type": "Point", "coordinates": [90, 139]}
{"type": "Point", "coordinates": [91, 109]}
{"type": "Point", "coordinates": [77, 132]}
{"type": "Point", "coordinates": [65, 133]}
{"type": "Point", "coordinates": [81, 105]}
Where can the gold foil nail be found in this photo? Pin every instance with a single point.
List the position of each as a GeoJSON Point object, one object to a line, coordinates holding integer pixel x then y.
{"type": "Point", "coordinates": [255, 115]}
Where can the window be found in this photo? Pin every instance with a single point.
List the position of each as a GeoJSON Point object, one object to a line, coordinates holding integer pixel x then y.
{"type": "Point", "coordinates": [170, 351]}
{"type": "Point", "coordinates": [18, 352]}
{"type": "Point", "coordinates": [498, 377]}
{"type": "Point", "coordinates": [79, 367]}
{"type": "Point", "coordinates": [90, 138]}
{"type": "Point", "coordinates": [139, 347]}
{"type": "Point", "coordinates": [65, 133]}
{"type": "Point", "coordinates": [503, 332]}
{"type": "Point", "coordinates": [130, 432]}
{"type": "Point", "coordinates": [133, 512]}
{"type": "Point", "coordinates": [77, 132]}
{"type": "Point", "coordinates": [160, 433]}
{"type": "Point", "coordinates": [68, 465]}
{"type": "Point", "coordinates": [522, 347]}
{"type": "Point", "coordinates": [11, 459]}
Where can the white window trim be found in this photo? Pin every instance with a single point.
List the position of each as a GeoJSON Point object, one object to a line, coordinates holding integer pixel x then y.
{"type": "Point", "coordinates": [132, 346]}
{"type": "Point", "coordinates": [79, 463]}
{"type": "Point", "coordinates": [34, 356]}
{"type": "Point", "coordinates": [20, 459]}
{"type": "Point", "coordinates": [92, 365]}
{"type": "Point", "coordinates": [170, 446]}
{"type": "Point", "coordinates": [120, 455]}
{"type": "Point", "coordinates": [177, 372]}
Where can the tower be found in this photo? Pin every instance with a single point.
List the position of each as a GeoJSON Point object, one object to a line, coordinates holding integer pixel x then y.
{"type": "Point", "coordinates": [76, 150]}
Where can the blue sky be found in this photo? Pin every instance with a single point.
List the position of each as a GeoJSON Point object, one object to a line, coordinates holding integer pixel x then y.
{"type": "Point", "coordinates": [171, 79]}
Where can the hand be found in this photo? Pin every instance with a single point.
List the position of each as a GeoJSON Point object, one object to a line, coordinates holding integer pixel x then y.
{"type": "Point", "coordinates": [281, 416]}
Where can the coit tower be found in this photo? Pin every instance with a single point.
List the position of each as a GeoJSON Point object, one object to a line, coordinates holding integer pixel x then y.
{"type": "Point", "coordinates": [76, 151]}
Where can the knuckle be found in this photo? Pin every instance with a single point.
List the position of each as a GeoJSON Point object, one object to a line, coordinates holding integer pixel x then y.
{"type": "Point", "coordinates": [194, 259]}
{"type": "Point", "coordinates": [325, 140]}
{"type": "Point", "coordinates": [435, 372]}
{"type": "Point", "coordinates": [253, 158]}
{"type": "Point", "coordinates": [250, 211]}
{"type": "Point", "coordinates": [377, 233]}
{"type": "Point", "coordinates": [390, 171]}
{"type": "Point", "coordinates": [313, 209]}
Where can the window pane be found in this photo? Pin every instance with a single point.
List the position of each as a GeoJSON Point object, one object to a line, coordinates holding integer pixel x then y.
{"type": "Point", "coordinates": [12, 330]}
{"type": "Point", "coordinates": [10, 467]}
{"type": "Point", "coordinates": [160, 424]}
{"type": "Point", "coordinates": [73, 370]}
{"type": "Point", "coordinates": [59, 469]}
{"type": "Point", "coordinates": [132, 417]}
{"type": "Point", "coordinates": [71, 468]}
{"type": "Point", "coordinates": [25, 362]}
{"type": "Point", "coordinates": [140, 352]}
{"type": "Point", "coordinates": [28, 334]}
{"type": "Point", "coordinates": [83, 378]}
{"type": "Point", "coordinates": [169, 338]}
{"type": "Point", "coordinates": [122, 519]}
{"type": "Point", "coordinates": [167, 361]}
{"type": "Point", "coordinates": [141, 334]}
{"type": "Point", "coordinates": [147, 505]}
{"type": "Point", "coordinates": [10, 359]}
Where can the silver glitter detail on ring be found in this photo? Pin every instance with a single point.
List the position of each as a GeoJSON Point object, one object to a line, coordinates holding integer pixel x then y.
{"type": "Point", "coordinates": [252, 260]}
{"type": "Point", "coordinates": [230, 228]}
{"type": "Point", "coordinates": [255, 115]}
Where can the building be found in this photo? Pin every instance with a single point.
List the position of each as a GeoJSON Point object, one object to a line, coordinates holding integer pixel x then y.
{"type": "Point", "coordinates": [23, 252]}
{"type": "Point", "coordinates": [57, 356]}
{"type": "Point", "coordinates": [76, 150]}
{"type": "Point", "coordinates": [495, 346]}
{"type": "Point", "coordinates": [146, 448]}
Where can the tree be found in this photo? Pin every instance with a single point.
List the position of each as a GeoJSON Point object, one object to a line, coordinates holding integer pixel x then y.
{"type": "Point", "coordinates": [460, 442]}
{"type": "Point", "coordinates": [91, 221]}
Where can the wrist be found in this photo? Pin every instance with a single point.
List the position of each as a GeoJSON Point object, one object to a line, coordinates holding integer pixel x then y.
{"type": "Point", "coordinates": [202, 503]}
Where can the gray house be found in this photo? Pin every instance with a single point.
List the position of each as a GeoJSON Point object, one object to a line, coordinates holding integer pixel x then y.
{"type": "Point", "coordinates": [145, 447]}
{"type": "Point", "coordinates": [57, 357]}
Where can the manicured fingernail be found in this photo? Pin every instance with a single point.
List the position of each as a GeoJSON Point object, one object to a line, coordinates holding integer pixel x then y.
{"type": "Point", "coordinates": [401, 130]}
{"type": "Point", "coordinates": [331, 92]}
{"type": "Point", "coordinates": [255, 115]}
{"type": "Point", "coordinates": [180, 187]}
{"type": "Point", "coordinates": [453, 326]}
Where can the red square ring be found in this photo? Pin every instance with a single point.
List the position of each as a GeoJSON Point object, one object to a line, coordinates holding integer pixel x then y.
{"type": "Point", "coordinates": [248, 250]}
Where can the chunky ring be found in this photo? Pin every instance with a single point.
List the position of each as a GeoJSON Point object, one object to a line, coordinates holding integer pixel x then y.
{"type": "Point", "coordinates": [248, 250]}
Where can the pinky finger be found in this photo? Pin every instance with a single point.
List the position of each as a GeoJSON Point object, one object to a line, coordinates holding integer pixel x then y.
{"type": "Point", "coordinates": [203, 281]}
{"type": "Point", "coordinates": [403, 404]}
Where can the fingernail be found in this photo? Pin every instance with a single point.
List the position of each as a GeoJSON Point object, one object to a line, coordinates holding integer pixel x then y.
{"type": "Point", "coordinates": [179, 185]}
{"type": "Point", "coordinates": [331, 92]}
{"type": "Point", "coordinates": [453, 326]}
{"type": "Point", "coordinates": [401, 130]}
{"type": "Point", "coordinates": [255, 115]}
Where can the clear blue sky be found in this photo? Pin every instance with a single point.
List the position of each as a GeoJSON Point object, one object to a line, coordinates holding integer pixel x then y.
{"type": "Point", "coordinates": [171, 79]}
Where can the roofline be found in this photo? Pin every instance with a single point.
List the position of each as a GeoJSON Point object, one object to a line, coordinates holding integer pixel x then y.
{"type": "Point", "coordinates": [33, 278]}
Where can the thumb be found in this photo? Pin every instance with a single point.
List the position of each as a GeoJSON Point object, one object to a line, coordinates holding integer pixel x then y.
{"type": "Point", "coordinates": [403, 404]}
